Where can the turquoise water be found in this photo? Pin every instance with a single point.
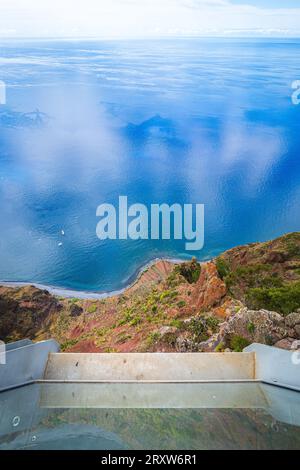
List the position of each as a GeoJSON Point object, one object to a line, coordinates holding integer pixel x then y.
{"type": "Point", "coordinates": [188, 121]}
{"type": "Point", "coordinates": [142, 416]}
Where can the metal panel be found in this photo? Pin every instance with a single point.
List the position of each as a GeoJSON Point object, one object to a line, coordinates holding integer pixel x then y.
{"type": "Point", "coordinates": [276, 366]}
{"type": "Point", "coordinates": [26, 363]}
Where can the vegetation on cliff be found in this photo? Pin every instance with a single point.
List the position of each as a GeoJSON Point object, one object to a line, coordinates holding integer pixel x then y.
{"type": "Point", "coordinates": [249, 293]}
{"type": "Point", "coordinates": [264, 275]}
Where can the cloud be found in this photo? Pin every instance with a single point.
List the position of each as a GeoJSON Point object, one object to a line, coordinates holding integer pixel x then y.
{"type": "Point", "coordinates": [208, 3]}
{"type": "Point", "coordinates": [138, 18]}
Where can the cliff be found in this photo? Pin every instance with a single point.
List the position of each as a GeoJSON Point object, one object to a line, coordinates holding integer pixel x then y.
{"type": "Point", "coordinates": [248, 294]}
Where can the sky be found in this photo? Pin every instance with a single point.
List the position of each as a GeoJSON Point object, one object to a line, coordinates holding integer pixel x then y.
{"type": "Point", "coordinates": [148, 18]}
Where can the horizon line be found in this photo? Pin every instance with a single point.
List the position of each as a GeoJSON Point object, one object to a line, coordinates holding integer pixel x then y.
{"type": "Point", "coordinates": [136, 38]}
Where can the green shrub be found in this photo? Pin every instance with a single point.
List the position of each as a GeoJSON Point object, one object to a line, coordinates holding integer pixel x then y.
{"type": "Point", "coordinates": [220, 347]}
{"type": "Point", "coordinates": [292, 245]}
{"type": "Point", "coordinates": [169, 339]}
{"type": "Point", "coordinates": [238, 343]}
{"type": "Point", "coordinates": [69, 343]}
{"type": "Point", "coordinates": [212, 323]}
{"type": "Point", "coordinates": [173, 279]}
{"type": "Point", "coordinates": [123, 337]}
{"type": "Point", "coordinates": [190, 271]}
{"type": "Point", "coordinates": [181, 304]}
{"type": "Point", "coordinates": [177, 323]}
{"type": "Point", "coordinates": [222, 267]}
{"type": "Point", "coordinates": [251, 328]}
{"type": "Point", "coordinates": [128, 317]}
{"type": "Point", "coordinates": [270, 281]}
{"type": "Point", "coordinates": [136, 320]}
{"type": "Point", "coordinates": [101, 331]}
{"type": "Point", "coordinates": [199, 327]}
{"type": "Point", "coordinates": [285, 299]}
{"type": "Point", "coordinates": [167, 294]}
{"type": "Point", "coordinates": [250, 276]}
{"type": "Point", "coordinates": [254, 275]}
{"type": "Point", "coordinates": [92, 308]}
{"type": "Point", "coordinates": [153, 338]}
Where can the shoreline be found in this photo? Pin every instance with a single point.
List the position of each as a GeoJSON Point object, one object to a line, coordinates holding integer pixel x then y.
{"type": "Point", "coordinates": [69, 293]}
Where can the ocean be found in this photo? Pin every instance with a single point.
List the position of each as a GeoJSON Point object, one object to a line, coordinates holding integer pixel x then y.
{"type": "Point", "coordinates": [187, 121]}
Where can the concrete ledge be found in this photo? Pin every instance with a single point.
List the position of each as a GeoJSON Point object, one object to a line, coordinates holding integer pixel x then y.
{"type": "Point", "coordinates": [26, 363]}
{"type": "Point", "coordinates": [150, 366]}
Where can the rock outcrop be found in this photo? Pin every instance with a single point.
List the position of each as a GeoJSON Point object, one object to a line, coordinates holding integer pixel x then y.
{"type": "Point", "coordinates": [210, 290]}
{"type": "Point", "coordinates": [26, 310]}
{"type": "Point", "coordinates": [257, 326]}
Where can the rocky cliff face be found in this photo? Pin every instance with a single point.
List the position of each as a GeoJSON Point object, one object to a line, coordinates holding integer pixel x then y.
{"type": "Point", "coordinates": [248, 294]}
{"type": "Point", "coordinates": [24, 311]}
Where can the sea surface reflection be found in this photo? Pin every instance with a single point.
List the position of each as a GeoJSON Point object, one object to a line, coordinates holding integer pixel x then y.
{"type": "Point", "coordinates": [187, 121]}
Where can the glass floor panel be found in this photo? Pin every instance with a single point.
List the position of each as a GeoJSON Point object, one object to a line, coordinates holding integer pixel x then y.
{"type": "Point", "coordinates": [191, 416]}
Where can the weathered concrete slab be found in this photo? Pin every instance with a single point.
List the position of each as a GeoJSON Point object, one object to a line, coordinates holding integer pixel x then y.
{"type": "Point", "coordinates": [147, 366]}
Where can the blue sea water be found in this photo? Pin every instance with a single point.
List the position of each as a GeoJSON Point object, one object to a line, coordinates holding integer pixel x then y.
{"type": "Point", "coordinates": [186, 120]}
